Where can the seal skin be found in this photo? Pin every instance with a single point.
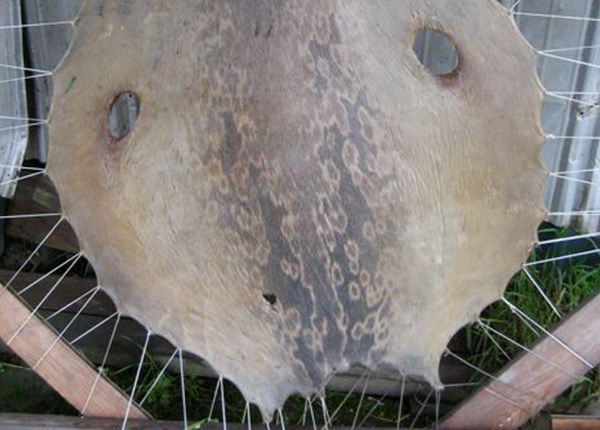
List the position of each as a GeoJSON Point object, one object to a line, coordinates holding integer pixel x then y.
{"type": "Point", "coordinates": [299, 194]}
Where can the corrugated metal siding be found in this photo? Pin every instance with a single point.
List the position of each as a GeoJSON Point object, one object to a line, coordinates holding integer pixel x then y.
{"type": "Point", "coordinates": [13, 97]}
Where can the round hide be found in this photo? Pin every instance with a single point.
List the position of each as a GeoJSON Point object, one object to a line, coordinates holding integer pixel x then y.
{"type": "Point", "coordinates": [299, 194]}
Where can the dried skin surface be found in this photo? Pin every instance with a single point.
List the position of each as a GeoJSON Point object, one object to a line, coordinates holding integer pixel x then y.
{"type": "Point", "coordinates": [299, 150]}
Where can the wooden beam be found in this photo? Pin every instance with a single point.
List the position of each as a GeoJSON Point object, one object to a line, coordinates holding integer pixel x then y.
{"type": "Point", "coordinates": [34, 196]}
{"type": "Point", "coordinates": [53, 422]}
{"type": "Point", "coordinates": [71, 287]}
{"type": "Point", "coordinates": [528, 383]}
{"type": "Point", "coordinates": [50, 422]}
{"type": "Point", "coordinates": [62, 368]}
{"type": "Point", "coordinates": [570, 422]}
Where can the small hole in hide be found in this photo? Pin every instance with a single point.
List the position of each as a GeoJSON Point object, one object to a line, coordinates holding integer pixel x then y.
{"type": "Point", "coordinates": [270, 298]}
{"type": "Point", "coordinates": [436, 52]}
{"type": "Point", "coordinates": [123, 115]}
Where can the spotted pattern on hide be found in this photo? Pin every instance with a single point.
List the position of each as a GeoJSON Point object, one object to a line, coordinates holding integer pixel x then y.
{"type": "Point", "coordinates": [299, 195]}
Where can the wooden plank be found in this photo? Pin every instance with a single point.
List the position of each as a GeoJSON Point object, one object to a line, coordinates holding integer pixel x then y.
{"type": "Point", "coordinates": [70, 288]}
{"type": "Point", "coordinates": [61, 366]}
{"type": "Point", "coordinates": [34, 196]}
{"type": "Point", "coordinates": [50, 422]}
{"type": "Point", "coordinates": [569, 422]}
{"type": "Point", "coordinates": [13, 97]}
{"type": "Point", "coordinates": [527, 384]}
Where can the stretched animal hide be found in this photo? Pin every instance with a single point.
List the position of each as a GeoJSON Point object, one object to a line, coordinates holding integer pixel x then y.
{"type": "Point", "coordinates": [299, 194]}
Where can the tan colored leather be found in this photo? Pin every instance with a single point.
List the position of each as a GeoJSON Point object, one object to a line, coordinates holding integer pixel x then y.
{"type": "Point", "coordinates": [299, 149]}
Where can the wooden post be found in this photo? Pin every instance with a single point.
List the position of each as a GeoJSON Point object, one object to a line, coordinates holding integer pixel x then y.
{"type": "Point", "coordinates": [528, 383]}
{"type": "Point", "coordinates": [62, 368]}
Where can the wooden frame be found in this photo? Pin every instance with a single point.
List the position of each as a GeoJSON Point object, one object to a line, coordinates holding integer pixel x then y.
{"type": "Point", "coordinates": [49, 422]}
